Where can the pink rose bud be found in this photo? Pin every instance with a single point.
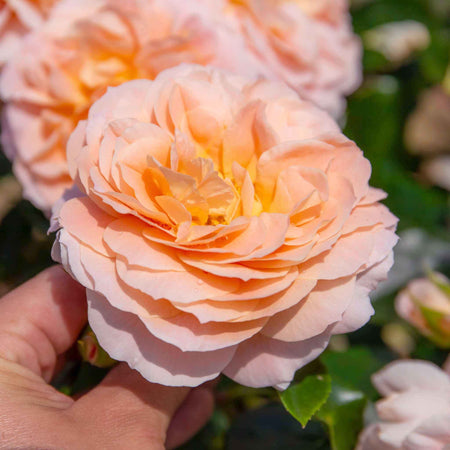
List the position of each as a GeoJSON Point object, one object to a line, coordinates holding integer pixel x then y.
{"type": "Point", "coordinates": [425, 303]}
{"type": "Point", "coordinates": [91, 351]}
{"type": "Point", "coordinates": [219, 224]}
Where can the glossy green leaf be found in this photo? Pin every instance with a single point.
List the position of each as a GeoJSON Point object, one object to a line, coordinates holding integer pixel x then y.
{"type": "Point", "coordinates": [304, 399]}
{"type": "Point", "coordinates": [343, 414]}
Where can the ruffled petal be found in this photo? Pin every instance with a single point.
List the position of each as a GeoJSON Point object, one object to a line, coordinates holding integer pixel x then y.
{"type": "Point", "coordinates": [262, 361]}
{"type": "Point", "coordinates": [125, 338]}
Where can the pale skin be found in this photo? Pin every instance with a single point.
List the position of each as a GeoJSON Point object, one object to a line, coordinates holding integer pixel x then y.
{"type": "Point", "coordinates": [39, 322]}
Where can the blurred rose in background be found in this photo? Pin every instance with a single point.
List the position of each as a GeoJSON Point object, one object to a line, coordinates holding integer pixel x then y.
{"type": "Point", "coordinates": [88, 45]}
{"type": "Point", "coordinates": [415, 410]}
{"type": "Point", "coordinates": [427, 134]}
{"type": "Point", "coordinates": [17, 18]}
{"type": "Point", "coordinates": [425, 303]}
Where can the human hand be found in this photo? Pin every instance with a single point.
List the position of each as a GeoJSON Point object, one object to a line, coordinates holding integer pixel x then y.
{"type": "Point", "coordinates": [39, 321]}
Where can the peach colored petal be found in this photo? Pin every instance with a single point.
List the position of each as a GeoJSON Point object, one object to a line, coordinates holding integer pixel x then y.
{"type": "Point", "coordinates": [295, 186]}
{"type": "Point", "coordinates": [189, 286]}
{"type": "Point", "coordinates": [242, 140]}
{"type": "Point", "coordinates": [240, 271]}
{"type": "Point", "coordinates": [374, 195]}
{"type": "Point", "coordinates": [368, 216]}
{"type": "Point", "coordinates": [82, 219]}
{"type": "Point", "coordinates": [384, 240]}
{"type": "Point", "coordinates": [357, 313]}
{"type": "Point", "coordinates": [66, 251]}
{"type": "Point", "coordinates": [286, 256]}
{"type": "Point", "coordinates": [260, 288]}
{"type": "Point", "coordinates": [308, 153]}
{"type": "Point", "coordinates": [188, 334]}
{"type": "Point", "coordinates": [239, 311]}
{"type": "Point", "coordinates": [291, 119]}
{"type": "Point", "coordinates": [263, 235]}
{"type": "Point", "coordinates": [337, 211]}
{"type": "Point", "coordinates": [373, 275]}
{"type": "Point", "coordinates": [118, 294]}
{"type": "Point", "coordinates": [324, 306]}
{"type": "Point", "coordinates": [124, 238]}
{"type": "Point", "coordinates": [125, 338]}
{"type": "Point", "coordinates": [346, 257]}
{"type": "Point", "coordinates": [262, 361]}
{"type": "Point", "coordinates": [352, 165]}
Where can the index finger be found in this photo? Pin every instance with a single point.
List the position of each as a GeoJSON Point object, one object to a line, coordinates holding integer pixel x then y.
{"type": "Point", "coordinates": [41, 319]}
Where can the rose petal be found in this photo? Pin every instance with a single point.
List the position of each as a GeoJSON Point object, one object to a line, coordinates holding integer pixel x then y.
{"type": "Point", "coordinates": [189, 286]}
{"type": "Point", "coordinates": [324, 306]}
{"type": "Point", "coordinates": [125, 338]}
{"type": "Point", "coordinates": [261, 361]}
{"type": "Point", "coordinates": [404, 375]}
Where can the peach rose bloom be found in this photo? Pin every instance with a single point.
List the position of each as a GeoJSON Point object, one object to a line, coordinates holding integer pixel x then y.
{"type": "Point", "coordinates": [88, 45]}
{"type": "Point", "coordinates": [221, 225]}
{"type": "Point", "coordinates": [425, 303]}
{"type": "Point", "coordinates": [415, 413]}
{"type": "Point", "coordinates": [18, 17]}
{"type": "Point", "coordinates": [309, 44]}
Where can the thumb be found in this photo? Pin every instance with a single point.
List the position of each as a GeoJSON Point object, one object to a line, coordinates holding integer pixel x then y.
{"type": "Point", "coordinates": [127, 411]}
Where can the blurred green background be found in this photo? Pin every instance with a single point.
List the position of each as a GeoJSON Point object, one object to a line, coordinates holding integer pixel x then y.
{"type": "Point", "coordinates": [400, 117]}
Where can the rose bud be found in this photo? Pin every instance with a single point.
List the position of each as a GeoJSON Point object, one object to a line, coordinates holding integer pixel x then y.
{"type": "Point", "coordinates": [425, 303]}
{"type": "Point", "coordinates": [91, 351]}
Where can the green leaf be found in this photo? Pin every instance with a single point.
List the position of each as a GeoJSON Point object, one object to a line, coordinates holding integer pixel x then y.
{"type": "Point", "coordinates": [343, 414]}
{"type": "Point", "coordinates": [304, 399]}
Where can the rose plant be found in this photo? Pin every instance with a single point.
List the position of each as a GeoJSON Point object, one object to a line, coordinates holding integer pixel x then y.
{"type": "Point", "coordinates": [219, 224]}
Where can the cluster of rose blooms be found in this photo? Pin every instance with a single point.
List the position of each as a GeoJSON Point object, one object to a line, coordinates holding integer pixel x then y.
{"type": "Point", "coordinates": [202, 192]}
